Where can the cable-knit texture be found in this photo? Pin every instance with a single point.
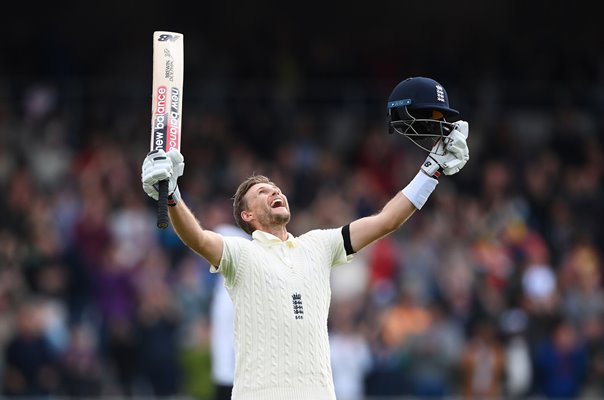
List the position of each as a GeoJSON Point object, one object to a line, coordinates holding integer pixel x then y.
{"type": "Point", "coordinates": [281, 297]}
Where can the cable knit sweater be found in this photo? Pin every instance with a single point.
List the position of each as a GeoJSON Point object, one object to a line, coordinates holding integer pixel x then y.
{"type": "Point", "coordinates": [281, 295]}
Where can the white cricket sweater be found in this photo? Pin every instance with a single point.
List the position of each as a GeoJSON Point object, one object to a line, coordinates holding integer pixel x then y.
{"type": "Point", "coordinates": [281, 295]}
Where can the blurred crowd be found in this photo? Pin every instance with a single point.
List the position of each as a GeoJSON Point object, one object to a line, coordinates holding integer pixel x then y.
{"type": "Point", "coordinates": [493, 289]}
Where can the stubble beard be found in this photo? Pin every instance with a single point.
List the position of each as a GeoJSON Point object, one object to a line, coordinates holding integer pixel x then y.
{"type": "Point", "coordinates": [270, 219]}
{"type": "Point", "coordinates": [279, 219]}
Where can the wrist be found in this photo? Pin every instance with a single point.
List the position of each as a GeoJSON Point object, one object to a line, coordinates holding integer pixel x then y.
{"type": "Point", "coordinates": [420, 188]}
{"type": "Point", "coordinates": [431, 167]}
{"type": "Point", "coordinates": [174, 198]}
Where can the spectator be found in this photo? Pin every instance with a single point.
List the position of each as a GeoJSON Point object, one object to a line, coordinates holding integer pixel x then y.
{"type": "Point", "coordinates": [115, 297]}
{"type": "Point", "coordinates": [156, 336]}
{"type": "Point", "coordinates": [81, 365]}
{"type": "Point", "coordinates": [350, 353]}
{"type": "Point", "coordinates": [482, 363]}
{"type": "Point", "coordinates": [593, 331]}
{"type": "Point", "coordinates": [435, 356]}
{"type": "Point", "coordinates": [31, 367]}
{"type": "Point", "coordinates": [518, 358]}
{"type": "Point", "coordinates": [581, 282]}
{"type": "Point", "coordinates": [561, 363]}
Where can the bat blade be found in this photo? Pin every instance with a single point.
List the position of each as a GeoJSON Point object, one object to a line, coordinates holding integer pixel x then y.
{"type": "Point", "coordinates": [166, 112]}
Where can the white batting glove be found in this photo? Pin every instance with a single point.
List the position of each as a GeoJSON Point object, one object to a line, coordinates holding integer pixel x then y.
{"type": "Point", "coordinates": [159, 166]}
{"type": "Point", "coordinates": [178, 168]}
{"type": "Point", "coordinates": [178, 165]}
{"type": "Point", "coordinates": [449, 155]}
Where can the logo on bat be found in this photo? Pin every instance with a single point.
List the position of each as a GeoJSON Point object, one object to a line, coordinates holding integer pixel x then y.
{"type": "Point", "coordinates": [164, 37]}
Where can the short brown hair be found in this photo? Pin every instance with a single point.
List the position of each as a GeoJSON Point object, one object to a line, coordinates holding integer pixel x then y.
{"type": "Point", "coordinates": [239, 204]}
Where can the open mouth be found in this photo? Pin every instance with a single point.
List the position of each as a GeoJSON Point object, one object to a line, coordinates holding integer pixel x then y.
{"type": "Point", "coordinates": [277, 203]}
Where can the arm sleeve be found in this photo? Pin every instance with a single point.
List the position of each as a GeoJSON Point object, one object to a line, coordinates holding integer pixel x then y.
{"type": "Point", "coordinates": [347, 242]}
{"type": "Point", "coordinates": [332, 243]}
{"type": "Point", "coordinates": [232, 252]}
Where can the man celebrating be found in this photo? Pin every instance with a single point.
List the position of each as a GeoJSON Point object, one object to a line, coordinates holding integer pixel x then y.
{"type": "Point", "coordinates": [279, 284]}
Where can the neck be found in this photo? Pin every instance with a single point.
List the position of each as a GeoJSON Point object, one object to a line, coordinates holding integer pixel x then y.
{"type": "Point", "coordinates": [278, 231]}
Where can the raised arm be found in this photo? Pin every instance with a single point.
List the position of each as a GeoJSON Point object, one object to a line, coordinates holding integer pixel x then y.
{"type": "Point", "coordinates": [448, 156]}
{"type": "Point", "coordinates": [204, 242]}
{"type": "Point", "coordinates": [366, 230]}
{"type": "Point", "coordinates": [158, 166]}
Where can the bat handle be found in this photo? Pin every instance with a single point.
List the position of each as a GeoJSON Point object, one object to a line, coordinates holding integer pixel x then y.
{"type": "Point", "coordinates": [162, 205]}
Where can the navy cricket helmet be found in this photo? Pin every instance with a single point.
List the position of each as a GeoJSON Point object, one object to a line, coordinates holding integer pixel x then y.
{"type": "Point", "coordinates": [418, 108]}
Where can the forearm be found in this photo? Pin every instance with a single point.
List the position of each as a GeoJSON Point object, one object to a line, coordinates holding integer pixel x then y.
{"type": "Point", "coordinates": [204, 242]}
{"type": "Point", "coordinates": [396, 212]}
{"type": "Point", "coordinates": [185, 224]}
{"type": "Point", "coordinates": [407, 201]}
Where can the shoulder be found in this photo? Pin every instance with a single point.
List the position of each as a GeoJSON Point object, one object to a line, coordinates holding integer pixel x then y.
{"type": "Point", "coordinates": [327, 242]}
{"type": "Point", "coordinates": [236, 244]}
{"type": "Point", "coordinates": [236, 239]}
{"type": "Point", "coordinates": [322, 237]}
{"type": "Point", "coordinates": [321, 233]}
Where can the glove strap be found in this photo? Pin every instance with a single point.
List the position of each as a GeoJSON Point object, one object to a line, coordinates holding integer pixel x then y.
{"type": "Point", "coordinates": [431, 167]}
{"type": "Point", "coordinates": [174, 198]}
{"type": "Point", "coordinates": [419, 189]}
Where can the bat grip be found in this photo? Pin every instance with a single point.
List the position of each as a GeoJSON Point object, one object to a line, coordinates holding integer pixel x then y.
{"type": "Point", "coordinates": [162, 205]}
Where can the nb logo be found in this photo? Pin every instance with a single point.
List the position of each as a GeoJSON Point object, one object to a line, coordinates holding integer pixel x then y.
{"type": "Point", "coordinates": [168, 38]}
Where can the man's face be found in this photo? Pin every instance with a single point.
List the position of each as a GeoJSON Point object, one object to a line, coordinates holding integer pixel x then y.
{"type": "Point", "coordinates": [266, 206]}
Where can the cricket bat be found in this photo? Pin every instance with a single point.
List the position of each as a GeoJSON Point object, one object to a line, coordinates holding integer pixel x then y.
{"type": "Point", "coordinates": [166, 112]}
